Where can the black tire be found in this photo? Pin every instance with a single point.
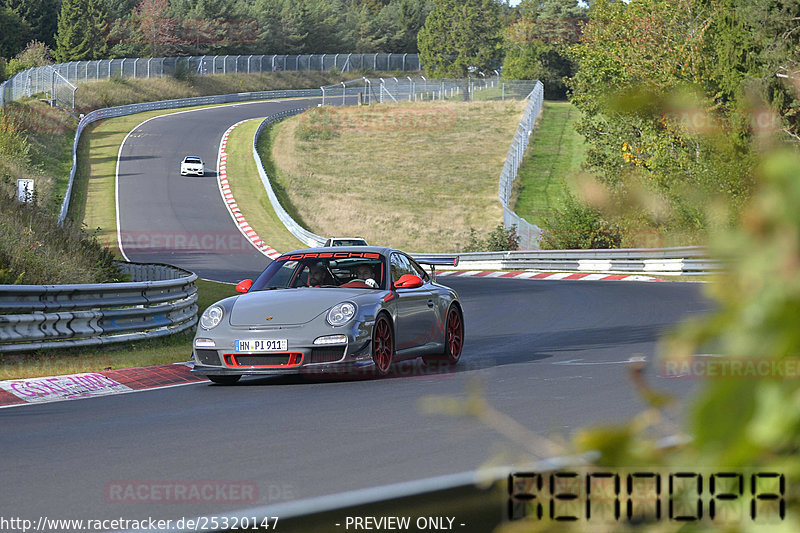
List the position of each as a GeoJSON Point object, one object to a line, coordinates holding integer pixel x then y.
{"type": "Point", "coordinates": [382, 344]}
{"type": "Point", "coordinates": [453, 339]}
{"type": "Point", "coordinates": [224, 380]}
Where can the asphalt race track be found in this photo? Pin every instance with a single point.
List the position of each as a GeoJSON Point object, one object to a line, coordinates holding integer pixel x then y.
{"type": "Point", "coordinates": [181, 220]}
{"type": "Point", "coordinates": [551, 354]}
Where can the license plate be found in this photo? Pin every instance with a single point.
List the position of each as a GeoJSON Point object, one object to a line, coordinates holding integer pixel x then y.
{"type": "Point", "coordinates": [262, 345]}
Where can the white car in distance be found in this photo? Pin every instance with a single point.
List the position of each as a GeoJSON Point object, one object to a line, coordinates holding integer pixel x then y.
{"type": "Point", "coordinates": [192, 164]}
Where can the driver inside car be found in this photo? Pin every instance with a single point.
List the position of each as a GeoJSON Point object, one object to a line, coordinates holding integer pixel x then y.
{"type": "Point", "coordinates": [364, 272]}
{"type": "Point", "coordinates": [318, 275]}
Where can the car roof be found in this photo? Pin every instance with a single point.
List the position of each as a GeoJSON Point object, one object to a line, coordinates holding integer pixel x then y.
{"type": "Point", "coordinates": [191, 157]}
{"type": "Point", "coordinates": [383, 250]}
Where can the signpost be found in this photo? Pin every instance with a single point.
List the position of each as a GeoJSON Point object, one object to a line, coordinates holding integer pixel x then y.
{"type": "Point", "coordinates": [25, 191]}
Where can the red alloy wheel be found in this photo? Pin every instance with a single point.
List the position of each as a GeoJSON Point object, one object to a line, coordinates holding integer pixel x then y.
{"type": "Point", "coordinates": [382, 345]}
{"type": "Point", "coordinates": [455, 334]}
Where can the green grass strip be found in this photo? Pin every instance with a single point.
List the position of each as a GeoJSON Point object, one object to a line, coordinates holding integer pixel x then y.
{"type": "Point", "coordinates": [554, 154]}
{"type": "Point", "coordinates": [249, 192]}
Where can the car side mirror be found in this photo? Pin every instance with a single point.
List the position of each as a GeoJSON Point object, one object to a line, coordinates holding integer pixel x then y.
{"type": "Point", "coordinates": [244, 285]}
{"type": "Point", "coordinates": [408, 281]}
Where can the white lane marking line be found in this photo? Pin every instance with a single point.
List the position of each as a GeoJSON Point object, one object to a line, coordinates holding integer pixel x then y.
{"type": "Point", "coordinates": [582, 362]}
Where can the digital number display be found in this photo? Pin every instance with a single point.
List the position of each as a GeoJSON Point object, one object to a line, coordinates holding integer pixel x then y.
{"type": "Point", "coordinates": [644, 496]}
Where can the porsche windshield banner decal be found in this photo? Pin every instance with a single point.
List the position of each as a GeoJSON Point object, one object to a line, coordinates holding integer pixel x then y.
{"type": "Point", "coordinates": [329, 255]}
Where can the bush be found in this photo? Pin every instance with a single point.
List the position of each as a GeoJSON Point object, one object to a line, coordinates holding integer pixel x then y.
{"type": "Point", "coordinates": [497, 240]}
{"type": "Point", "coordinates": [183, 72]}
{"type": "Point", "coordinates": [36, 54]}
{"type": "Point", "coordinates": [35, 250]}
{"type": "Point", "coordinates": [576, 226]}
{"type": "Point", "coordinates": [13, 144]}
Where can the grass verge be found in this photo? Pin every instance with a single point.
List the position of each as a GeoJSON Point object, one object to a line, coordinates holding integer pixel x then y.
{"type": "Point", "coordinates": [413, 176]}
{"type": "Point", "coordinates": [248, 190]}
{"type": "Point", "coordinates": [166, 350]}
{"type": "Point", "coordinates": [554, 154]}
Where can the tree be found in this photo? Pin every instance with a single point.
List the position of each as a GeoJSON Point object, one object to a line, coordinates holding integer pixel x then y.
{"type": "Point", "coordinates": [754, 43]}
{"type": "Point", "coordinates": [81, 31]}
{"type": "Point", "coordinates": [279, 24]}
{"type": "Point", "coordinates": [160, 32]}
{"type": "Point", "coordinates": [408, 17]}
{"type": "Point", "coordinates": [13, 32]}
{"type": "Point", "coordinates": [38, 14]}
{"type": "Point", "coordinates": [536, 44]}
{"type": "Point", "coordinates": [460, 36]}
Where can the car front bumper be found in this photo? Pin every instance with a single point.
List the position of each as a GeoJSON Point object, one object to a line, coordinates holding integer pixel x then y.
{"type": "Point", "coordinates": [301, 356]}
{"type": "Point", "coordinates": [194, 171]}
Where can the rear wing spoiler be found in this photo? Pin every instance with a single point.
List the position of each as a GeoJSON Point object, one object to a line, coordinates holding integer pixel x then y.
{"type": "Point", "coordinates": [440, 261]}
{"type": "Point", "coordinates": [433, 261]}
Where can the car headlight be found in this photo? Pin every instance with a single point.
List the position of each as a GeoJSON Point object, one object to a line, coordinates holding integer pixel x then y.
{"type": "Point", "coordinates": [211, 317]}
{"type": "Point", "coordinates": [340, 314]}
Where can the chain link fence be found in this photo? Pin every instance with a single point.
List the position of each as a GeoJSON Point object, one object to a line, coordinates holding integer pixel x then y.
{"type": "Point", "coordinates": [41, 79]}
{"type": "Point", "coordinates": [529, 234]}
{"type": "Point", "coordinates": [416, 89]}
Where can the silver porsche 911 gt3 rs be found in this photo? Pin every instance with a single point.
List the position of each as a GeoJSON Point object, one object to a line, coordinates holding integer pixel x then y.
{"type": "Point", "coordinates": [321, 310]}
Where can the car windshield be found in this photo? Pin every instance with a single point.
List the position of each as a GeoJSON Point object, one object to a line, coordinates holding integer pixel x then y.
{"type": "Point", "coordinates": [348, 242]}
{"type": "Point", "coordinates": [192, 160]}
{"type": "Point", "coordinates": [355, 270]}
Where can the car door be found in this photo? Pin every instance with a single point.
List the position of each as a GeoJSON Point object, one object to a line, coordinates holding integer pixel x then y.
{"type": "Point", "coordinates": [415, 323]}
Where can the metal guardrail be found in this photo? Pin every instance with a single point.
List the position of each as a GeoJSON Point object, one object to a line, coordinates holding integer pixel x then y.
{"type": "Point", "coordinates": [677, 261]}
{"type": "Point", "coordinates": [305, 236]}
{"type": "Point", "coordinates": [160, 300]}
{"type": "Point", "coordinates": [40, 79]}
{"type": "Point", "coordinates": [118, 111]}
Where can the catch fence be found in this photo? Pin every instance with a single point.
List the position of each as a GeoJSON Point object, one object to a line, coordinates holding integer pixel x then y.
{"type": "Point", "coordinates": [41, 79]}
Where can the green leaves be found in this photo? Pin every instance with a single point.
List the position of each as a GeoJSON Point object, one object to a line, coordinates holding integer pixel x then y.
{"type": "Point", "coordinates": [81, 31]}
{"type": "Point", "coordinates": [460, 37]}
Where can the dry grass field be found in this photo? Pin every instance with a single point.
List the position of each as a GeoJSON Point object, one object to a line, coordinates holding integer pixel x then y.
{"type": "Point", "coordinates": [413, 176]}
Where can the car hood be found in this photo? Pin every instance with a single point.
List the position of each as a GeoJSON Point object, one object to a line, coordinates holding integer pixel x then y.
{"type": "Point", "coordinates": [288, 306]}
